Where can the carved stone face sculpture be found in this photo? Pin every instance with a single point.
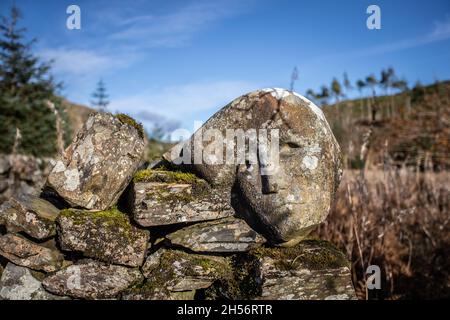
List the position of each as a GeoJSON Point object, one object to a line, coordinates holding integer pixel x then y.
{"type": "Point", "coordinates": [286, 202]}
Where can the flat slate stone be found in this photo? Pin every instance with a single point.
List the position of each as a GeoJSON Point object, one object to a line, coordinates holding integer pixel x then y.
{"type": "Point", "coordinates": [18, 283]}
{"type": "Point", "coordinates": [224, 235]}
{"type": "Point", "coordinates": [151, 293]}
{"type": "Point", "coordinates": [161, 203]}
{"type": "Point", "coordinates": [107, 236]}
{"type": "Point", "coordinates": [25, 253]}
{"type": "Point", "coordinates": [99, 163]}
{"type": "Point", "coordinates": [92, 280]}
{"type": "Point", "coordinates": [29, 214]}
{"type": "Point", "coordinates": [179, 271]}
{"type": "Point", "coordinates": [312, 270]}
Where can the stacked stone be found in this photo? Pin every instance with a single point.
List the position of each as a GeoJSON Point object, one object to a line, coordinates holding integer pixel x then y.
{"type": "Point", "coordinates": [102, 229]}
{"type": "Point", "coordinates": [72, 241]}
{"type": "Point", "coordinates": [22, 174]}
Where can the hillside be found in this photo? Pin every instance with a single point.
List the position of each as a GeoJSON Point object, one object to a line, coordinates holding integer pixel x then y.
{"type": "Point", "coordinates": [411, 128]}
{"type": "Point", "coordinates": [77, 115]}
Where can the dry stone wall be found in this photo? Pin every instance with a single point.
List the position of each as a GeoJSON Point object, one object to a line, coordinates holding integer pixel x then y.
{"type": "Point", "coordinates": [106, 228]}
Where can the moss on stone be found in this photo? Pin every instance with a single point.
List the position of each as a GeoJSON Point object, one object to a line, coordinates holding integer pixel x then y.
{"type": "Point", "coordinates": [240, 284]}
{"type": "Point", "coordinates": [312, 253]}
{"type": "Point", "coordinates": [155, 288]}
{"type": "Point", "coordinates": [111, 218]}
{"type": "Point", "coordinates": [169, 271]}
{"type": "Point", "coordinates": [126, 119]}
{"type": "Point", "coordinates": [209, 265]}
{"type": "Point", "coordinates": [150, 175]}
{"type": "Point", "coordinates": [245, 282]}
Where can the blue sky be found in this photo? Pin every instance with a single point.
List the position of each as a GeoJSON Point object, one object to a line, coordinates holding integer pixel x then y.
{"type": "Point", "coordinates": [180, 61]}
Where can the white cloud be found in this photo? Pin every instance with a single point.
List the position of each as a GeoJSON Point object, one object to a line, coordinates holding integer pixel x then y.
{"type": "Point", "coordinates": [175, 28]}
{"type": "Point", "coordinates": [442, 28]}
{"type": "Point", "coordinates": [183, 102]}
{"type": "Point", "coordinates": [80, 62]}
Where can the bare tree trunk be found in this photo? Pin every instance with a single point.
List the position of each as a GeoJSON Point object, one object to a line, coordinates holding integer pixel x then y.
{"type": "Point", "coordinates": [17, 140]}
{"type": "Point", "coordinates": [59, 130]}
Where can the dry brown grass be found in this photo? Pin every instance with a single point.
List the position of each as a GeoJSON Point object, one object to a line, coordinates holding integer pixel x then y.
{"type": "Point", "coordinates": [397, 219]}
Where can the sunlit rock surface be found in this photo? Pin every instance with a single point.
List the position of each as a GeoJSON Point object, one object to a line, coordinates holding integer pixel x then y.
{"type": "Point", "coordinates": [99, 163]}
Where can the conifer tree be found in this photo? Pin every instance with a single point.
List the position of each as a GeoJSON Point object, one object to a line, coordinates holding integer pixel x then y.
{"type": "Point", "coordinates": [100, 96]}
{"type": "Point", "coordinates": [26, 86]}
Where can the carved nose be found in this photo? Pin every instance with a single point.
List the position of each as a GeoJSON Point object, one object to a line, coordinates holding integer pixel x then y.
{"type": "Point", "coordinates": [270, 184]}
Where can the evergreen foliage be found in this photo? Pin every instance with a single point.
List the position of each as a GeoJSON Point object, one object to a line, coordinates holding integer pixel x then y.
{"type": "Point", "coordinates": [26, 86]}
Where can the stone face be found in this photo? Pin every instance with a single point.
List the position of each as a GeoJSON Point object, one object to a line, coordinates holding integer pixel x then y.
{"type": "Point", "coordinates": [92, 280]}
{"type": "Point", "coordinates": [284, 198]}
{"type": "Point", "coordinates": [179, 271]}
{"type": "Point", "coordinates": [224, 235]}
{"type": "Point", "coordinates": [313, 270]}
{"type": "Point", "coordinates": [28, 254]}
{"type": "Point", "coordinates": [30, 214]}
{"type": "Point", "coordinates": [18, 283]}
{"type": "Point", "coordinates": [165, 197]}
{"type": "Point", "coordinates": [106, 235]}
{"type": "Point", "coordinates": [99, 163]}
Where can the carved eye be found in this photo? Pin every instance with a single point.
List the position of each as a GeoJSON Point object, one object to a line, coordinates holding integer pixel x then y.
{"type": "Point", "coordinates": [293, 145]}
{"type": "Point", "coordinates": [290, 148]}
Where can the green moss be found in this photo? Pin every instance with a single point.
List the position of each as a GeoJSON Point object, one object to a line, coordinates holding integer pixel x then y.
{"type": "Point", "coordinates": [126, 119]}
{"type": "Point", "coordinates": [144, 288]}
{"type": "Point", "coordinates": [164, 273]}
{"type": "Point", "coordinates": [150, 175]}
{"type": "Point", "coordinates": [214, 267]}
{"type": "Point", "coordinates": [205, 264]}
{"type": "Point", "coordinates": [112, 219]}
{"type": "Point", "coordinates": [312, 254]}
{"type": "Point", "coordinates": [245, 283]}
{"type": "Point", "coordinates": [162, 194]}
{"type": "Point", "coordinates": [111, 216]}
{"type": "Point", "coordinates": [240, 284]}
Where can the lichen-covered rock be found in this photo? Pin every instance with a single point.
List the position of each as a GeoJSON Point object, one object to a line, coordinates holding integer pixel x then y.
{"type": "Point", "coordinates": [105, 235]}
{"type": "Point", "coordinates": [18, 283]}
{"type": "Point", "coordinates": [284, 198]}
{"type": "Point", "coordinates": [223, 235]}
{"type": "Point", "coordinates": [176, 275]}
{"type": "Point", "coordinates": [100, 162]}
{"type": "Point", "coordinates": [25, 253]}
{"type": "Point", "coordinates": [30, 214]}
{"type": "Point", "coordinates": [312, 270]}
{"type": "Point", "coordinates": [167, 197]}
{"type": "Point", "coordinates": [179, 271]}
{"type": "Point", "coordinates": [92, 280]}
